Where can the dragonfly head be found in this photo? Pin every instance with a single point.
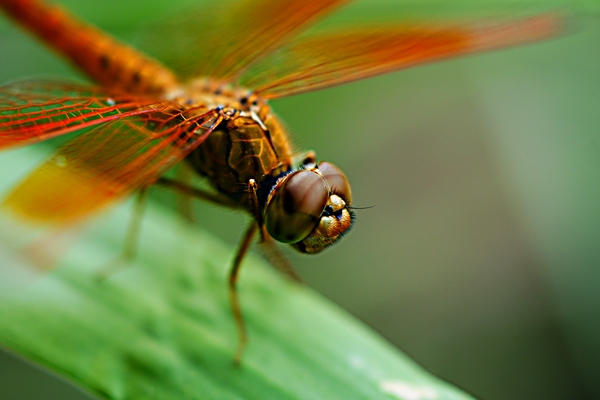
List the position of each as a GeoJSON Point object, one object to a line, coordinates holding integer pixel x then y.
{"type": "Point", "coordinates": [310, 208]}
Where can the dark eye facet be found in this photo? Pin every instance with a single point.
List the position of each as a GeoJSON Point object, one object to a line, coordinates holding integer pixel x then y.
{"type": "Point", "coordinates": [295, 208]}
{"type": "Point", "coordinates": [336, 218]}
{"type": "Point", "coordinates": [336, 180]}
{"type": "Point", "coordinates": [309, 209]}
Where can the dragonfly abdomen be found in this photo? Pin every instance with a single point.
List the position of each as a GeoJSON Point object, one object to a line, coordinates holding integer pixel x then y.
{"type": "Point", "coordinates": [103, 58]}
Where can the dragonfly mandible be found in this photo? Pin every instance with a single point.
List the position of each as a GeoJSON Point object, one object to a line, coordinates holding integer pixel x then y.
{"type": "Point", "coordinates": [207, 106]}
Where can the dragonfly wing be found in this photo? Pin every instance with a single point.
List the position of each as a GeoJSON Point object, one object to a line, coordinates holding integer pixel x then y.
{"type": "Point", "coordinates": [34, 111]}
{"type": "Point", "coordinates": [311, 63]}
{"type": "Point", "coordinates": [104, 164]}
{"type": "Point", "coordinates": [222, 40]}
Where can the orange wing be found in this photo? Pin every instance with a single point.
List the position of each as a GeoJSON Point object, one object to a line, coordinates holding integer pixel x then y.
{"type": "Point", "coordinates": [311, 63]}
{"type": "Point", "coordinates": [105, 163]}
{"type": "Point", "coordinates": [220, 40]}
{"type": "Point", "coordinates": [39, 110]}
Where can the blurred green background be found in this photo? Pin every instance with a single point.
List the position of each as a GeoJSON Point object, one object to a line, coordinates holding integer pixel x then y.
{"type": "Point", "coordinates": [481, 257]}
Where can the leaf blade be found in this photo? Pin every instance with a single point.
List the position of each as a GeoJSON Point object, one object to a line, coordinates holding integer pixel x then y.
{"type": "Point", "coordinates": [162, 328]}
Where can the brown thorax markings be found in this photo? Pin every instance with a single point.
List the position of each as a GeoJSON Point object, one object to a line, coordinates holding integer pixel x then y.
{"type": "Point", "coordinates": [228, 102]}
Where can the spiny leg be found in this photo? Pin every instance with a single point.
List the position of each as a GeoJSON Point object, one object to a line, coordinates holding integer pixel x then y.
{"type": "Point", "coordinates": [133, 229]}
{"type": "Point", "coordinates": [132, 236]}
{"type": "Point", "coordinates": [253, 201]}
{"type": "Point", "coordinates": [195, 192]}
{"type": "Point", "coordinates": [135, 223]}
{"type": "Point", "coordinates": [241, 252]}
{"type": "Point", "coordinates": [184, 202]}
{"type": "Point", "coordinates": [234, 299]}
{"type": "Point", "coordinates": [277, 258]}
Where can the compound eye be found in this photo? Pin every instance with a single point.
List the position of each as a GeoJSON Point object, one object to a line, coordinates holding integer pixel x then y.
{"type": "Point", "coordinates": [337, 181]}
{"type": "Point", "coordinates": [336, 218]}
{"type": "Point", "coordinates": [295, 209]}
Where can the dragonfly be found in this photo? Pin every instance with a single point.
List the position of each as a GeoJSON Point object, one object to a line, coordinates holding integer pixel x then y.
{"type": "Point", "coordinates": [204, 102]}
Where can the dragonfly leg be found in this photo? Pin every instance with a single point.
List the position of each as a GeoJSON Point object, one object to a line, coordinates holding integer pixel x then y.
{"type": "Point", "coordinates": [185, 202]}
{"type": "Point", "coordinates": [135, 223]}
{"type": "Point", "coordinates": [304, 158]}
{"type": "Point", "coordinates": [195, 192]}
{"type": "Point", "coordinates": [276, 257]}
{"type": "Point", "coordinates": [233, 292]}
{"type": "Point", "coordinates": [253, 197]}
{"type": "Point", "coordinates": [131, 238]}
{"type": "Point", "coordinates": [271, 251]}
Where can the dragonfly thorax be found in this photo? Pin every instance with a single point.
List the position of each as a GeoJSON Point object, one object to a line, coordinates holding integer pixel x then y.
{"type": "Point", "coordinates": [211, 94]}
{"type": "Point", "coordinates": [305, 205]}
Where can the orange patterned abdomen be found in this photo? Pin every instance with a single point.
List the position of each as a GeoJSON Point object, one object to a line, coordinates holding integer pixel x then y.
{"type": "Point", "coordinates": [103, 58]}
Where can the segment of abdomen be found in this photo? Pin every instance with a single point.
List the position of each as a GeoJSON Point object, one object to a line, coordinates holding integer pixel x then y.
{"type": "Point", "coordinates": [107, 61]}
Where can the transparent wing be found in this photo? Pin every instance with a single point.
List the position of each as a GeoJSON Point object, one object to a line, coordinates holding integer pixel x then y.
{"type": "Point", "coordinates": [38, 110]}
{"type": "Point", "coordinates": [221, 39]}
{"type": "Point", "coordinates": [105, 163]}
{"type": "Point", "coordinates": [310, 63]}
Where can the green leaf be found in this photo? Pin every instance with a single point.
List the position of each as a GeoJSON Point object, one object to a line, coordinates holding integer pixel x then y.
{"type": "Point", "coordinates": [161, 328]}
